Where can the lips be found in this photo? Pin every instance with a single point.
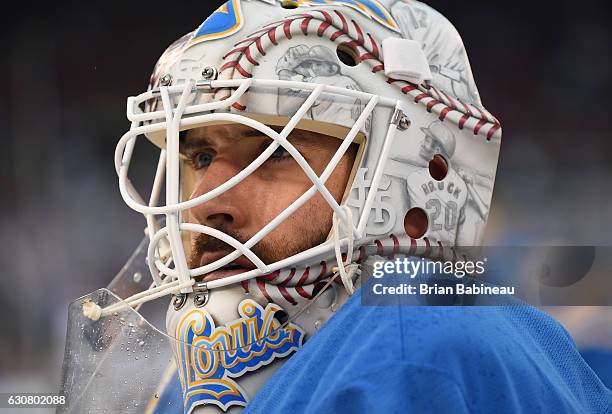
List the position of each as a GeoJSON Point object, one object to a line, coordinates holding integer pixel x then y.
{"type": "Point", "coordinates": [237, 266]}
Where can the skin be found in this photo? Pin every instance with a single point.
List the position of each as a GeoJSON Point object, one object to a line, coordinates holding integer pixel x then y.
{"type": "Point", "coordinates": [218, 152]}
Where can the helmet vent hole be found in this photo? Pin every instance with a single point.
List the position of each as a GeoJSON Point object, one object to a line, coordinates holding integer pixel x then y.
{"type": "Point", "coordinates": [289, 4]}
{"type": "Point", "coordinates": [416, 222]}
{"type": "Point", "coordinates": [347, 55]}
{"type": "Point", "coordinates": [438, 167]}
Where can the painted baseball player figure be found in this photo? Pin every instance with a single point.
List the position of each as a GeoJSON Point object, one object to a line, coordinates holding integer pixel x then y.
{"type": "Point", "coordinates": [276, 125]}
{"type": "Point", "coordinates": [444, 193]}
{"type": "Point", "coordinates": [317, 64]}
{"type": "Point", "coordinates": [444, 198]}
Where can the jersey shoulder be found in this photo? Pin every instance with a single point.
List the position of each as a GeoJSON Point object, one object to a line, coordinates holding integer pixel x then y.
{"type": "Point", "coordinates": [486, 359]}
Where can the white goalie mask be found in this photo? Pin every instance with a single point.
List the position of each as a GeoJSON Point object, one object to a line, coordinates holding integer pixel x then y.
{"type": "Point", "coordinates": [392, 78]}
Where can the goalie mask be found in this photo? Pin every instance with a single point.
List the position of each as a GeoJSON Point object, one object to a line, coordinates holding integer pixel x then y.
{"type": "Point", "coordinates": [388, 85]}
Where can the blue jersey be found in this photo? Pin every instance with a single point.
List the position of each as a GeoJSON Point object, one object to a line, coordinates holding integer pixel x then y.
{"type": "Point", "coordinates": [507, 359]}
{"type": "Point", "coordinates": [600, 359]}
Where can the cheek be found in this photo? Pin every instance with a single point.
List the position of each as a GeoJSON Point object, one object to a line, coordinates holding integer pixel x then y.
{"type": "Point", "coordinates": [275, 194]}
{"type": "Point", "coordinates": [306, 227]}
{"type": "Point", "coordinates": [316, 213]}
{"type": "Point", "coordinates": [339, 180]}
{"type": "Point", "coordinates": [313, 214]}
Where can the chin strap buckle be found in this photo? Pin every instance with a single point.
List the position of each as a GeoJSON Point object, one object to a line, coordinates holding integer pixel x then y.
{"type": "Point", "coordinates": [200, 294]}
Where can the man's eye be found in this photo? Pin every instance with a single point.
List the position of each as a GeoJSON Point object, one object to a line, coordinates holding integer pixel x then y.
{"type": "Point", "coordinates": [202, 160]}
{"type": "Point", "coordinates": [279, 154]}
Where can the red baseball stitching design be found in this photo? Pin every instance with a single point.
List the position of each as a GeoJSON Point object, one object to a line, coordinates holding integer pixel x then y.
{"type": "Point", "coordinates": [337, 28]}
{"type": "Point", "coordinates": [282, 285]}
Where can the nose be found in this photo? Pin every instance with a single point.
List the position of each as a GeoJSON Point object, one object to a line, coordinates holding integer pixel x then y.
{"type": "Point", "coordinates": [227, 210]}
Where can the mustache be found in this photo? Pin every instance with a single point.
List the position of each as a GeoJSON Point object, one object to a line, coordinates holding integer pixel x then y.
{"type": "Point", "coordinates": [204, 243]}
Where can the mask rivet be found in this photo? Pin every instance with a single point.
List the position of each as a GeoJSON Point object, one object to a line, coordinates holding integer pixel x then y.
{"type": "Point", "coordinates": [166, 80]}
{"type": "Point", "coordinates": [400, 120]}
{"type": "Point", "coordinates": [179, 301]}
{"type": "Point", "coordinates": [404, 123]}
{"type": "Point", "coordinates": [209, 73]}
{"type": "Point", "coordinates": [200, 299]}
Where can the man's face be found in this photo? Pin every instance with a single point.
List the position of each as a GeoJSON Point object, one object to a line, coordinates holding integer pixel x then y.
{"type": "Point", "coordinates": [216, 153]}
{"type": "Point", "coordinates": [312, 68]}
{"type": "Point", "coordinates": [427, 149]}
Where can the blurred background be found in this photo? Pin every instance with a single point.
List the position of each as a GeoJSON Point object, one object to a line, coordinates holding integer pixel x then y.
{"type": "Point", "coordinates": [542, 67]}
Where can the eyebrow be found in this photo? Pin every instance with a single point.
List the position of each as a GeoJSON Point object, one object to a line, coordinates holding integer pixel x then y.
{"type": "Point", "coordinates": [188, 143]}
